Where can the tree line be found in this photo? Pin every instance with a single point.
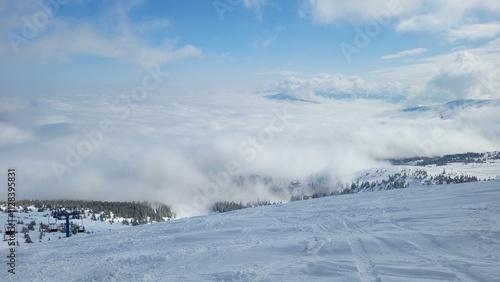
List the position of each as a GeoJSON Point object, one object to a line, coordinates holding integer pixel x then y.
{"type": "Point", "coordinates": [139, 212]}
{"type": "Point", "coordinates": [465, 158]}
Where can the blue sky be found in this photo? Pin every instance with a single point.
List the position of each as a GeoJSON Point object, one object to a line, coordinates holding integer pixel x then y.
{"type": "Point", "coordinates": [237, 43]}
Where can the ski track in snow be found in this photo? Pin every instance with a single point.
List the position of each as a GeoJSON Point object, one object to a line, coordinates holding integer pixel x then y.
{"type": "Point", "coordinates": [443, 233]}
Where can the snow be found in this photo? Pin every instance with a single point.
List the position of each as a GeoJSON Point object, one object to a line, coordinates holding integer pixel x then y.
{"type": "Point", "coordinates": [489, 170]}
{"type": "Point", "coordinates": [432, 233]}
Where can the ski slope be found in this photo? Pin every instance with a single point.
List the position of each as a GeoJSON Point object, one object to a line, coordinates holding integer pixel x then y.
{"type": "Point", "coordinates": [434, 233]}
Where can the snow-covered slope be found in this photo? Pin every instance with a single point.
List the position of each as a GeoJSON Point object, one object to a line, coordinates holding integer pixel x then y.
{"type": "Point", "coordinates": [435, 233]}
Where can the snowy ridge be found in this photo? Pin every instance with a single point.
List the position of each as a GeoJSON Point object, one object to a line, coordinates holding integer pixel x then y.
{"type": "Point", "coordinates": [434, 233]}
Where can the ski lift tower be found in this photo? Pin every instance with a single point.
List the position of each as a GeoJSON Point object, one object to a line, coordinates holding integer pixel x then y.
{"type": "Point", "coordinates": [65, 214]}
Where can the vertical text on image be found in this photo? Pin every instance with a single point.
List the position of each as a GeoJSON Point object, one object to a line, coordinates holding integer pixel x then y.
{"type": "Point", "coordinates": [10, 231]}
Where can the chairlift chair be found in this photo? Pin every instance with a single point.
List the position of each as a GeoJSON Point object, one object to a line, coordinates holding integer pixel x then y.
{"type": "Point", "coordinates": [81, 227]}
{"type": "Point", "coordinates": [9, 231]}
{"type": "Point", "coordinates": [53, 226]}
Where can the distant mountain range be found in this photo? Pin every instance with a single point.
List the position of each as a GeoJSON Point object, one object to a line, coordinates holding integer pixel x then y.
{"type": "Point", "coordinates": [448, 109]}
{"type": "Point", "coordinates": [392, 98]}
{"type": "Point", "coordinates": [445, 110]}
{"type": "Point", "coordinates": [286, 97]}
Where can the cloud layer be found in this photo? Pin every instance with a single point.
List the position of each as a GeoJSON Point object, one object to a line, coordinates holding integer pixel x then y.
{"type": "Point", "coordinates": [178, 147]}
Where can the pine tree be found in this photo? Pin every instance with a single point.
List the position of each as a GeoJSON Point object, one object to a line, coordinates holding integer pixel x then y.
{"type": "Point", "coordinates": [28, 239]}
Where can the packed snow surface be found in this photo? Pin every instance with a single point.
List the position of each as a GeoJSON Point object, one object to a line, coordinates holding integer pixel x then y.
{"type": "Point", "coordinates": [434, 233]}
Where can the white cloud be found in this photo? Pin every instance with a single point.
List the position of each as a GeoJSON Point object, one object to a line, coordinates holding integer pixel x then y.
{"type": "Point", "coordinates": [12, 135]}
{"type": "Point", "coordinates": [405, 53]}
{"type": "Point", "coordinates": [111, 35]}
{"type": "Point", "coordinates": [331, 11]}
{"type": "Point", "coordinates": [474, 32]}
{"type": "Point", "coordinates": [440, 16]}
{"type": "Point", "coordinates": [467, 73]}
{"type": "Point", "coordinates": [414, 15]}
{"type": "Point", "coordinates": [466, 76]}
{"type": "Point", "coordinates": [336, 85]}
{"type": "Point", "coordinates": [86, 40]}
